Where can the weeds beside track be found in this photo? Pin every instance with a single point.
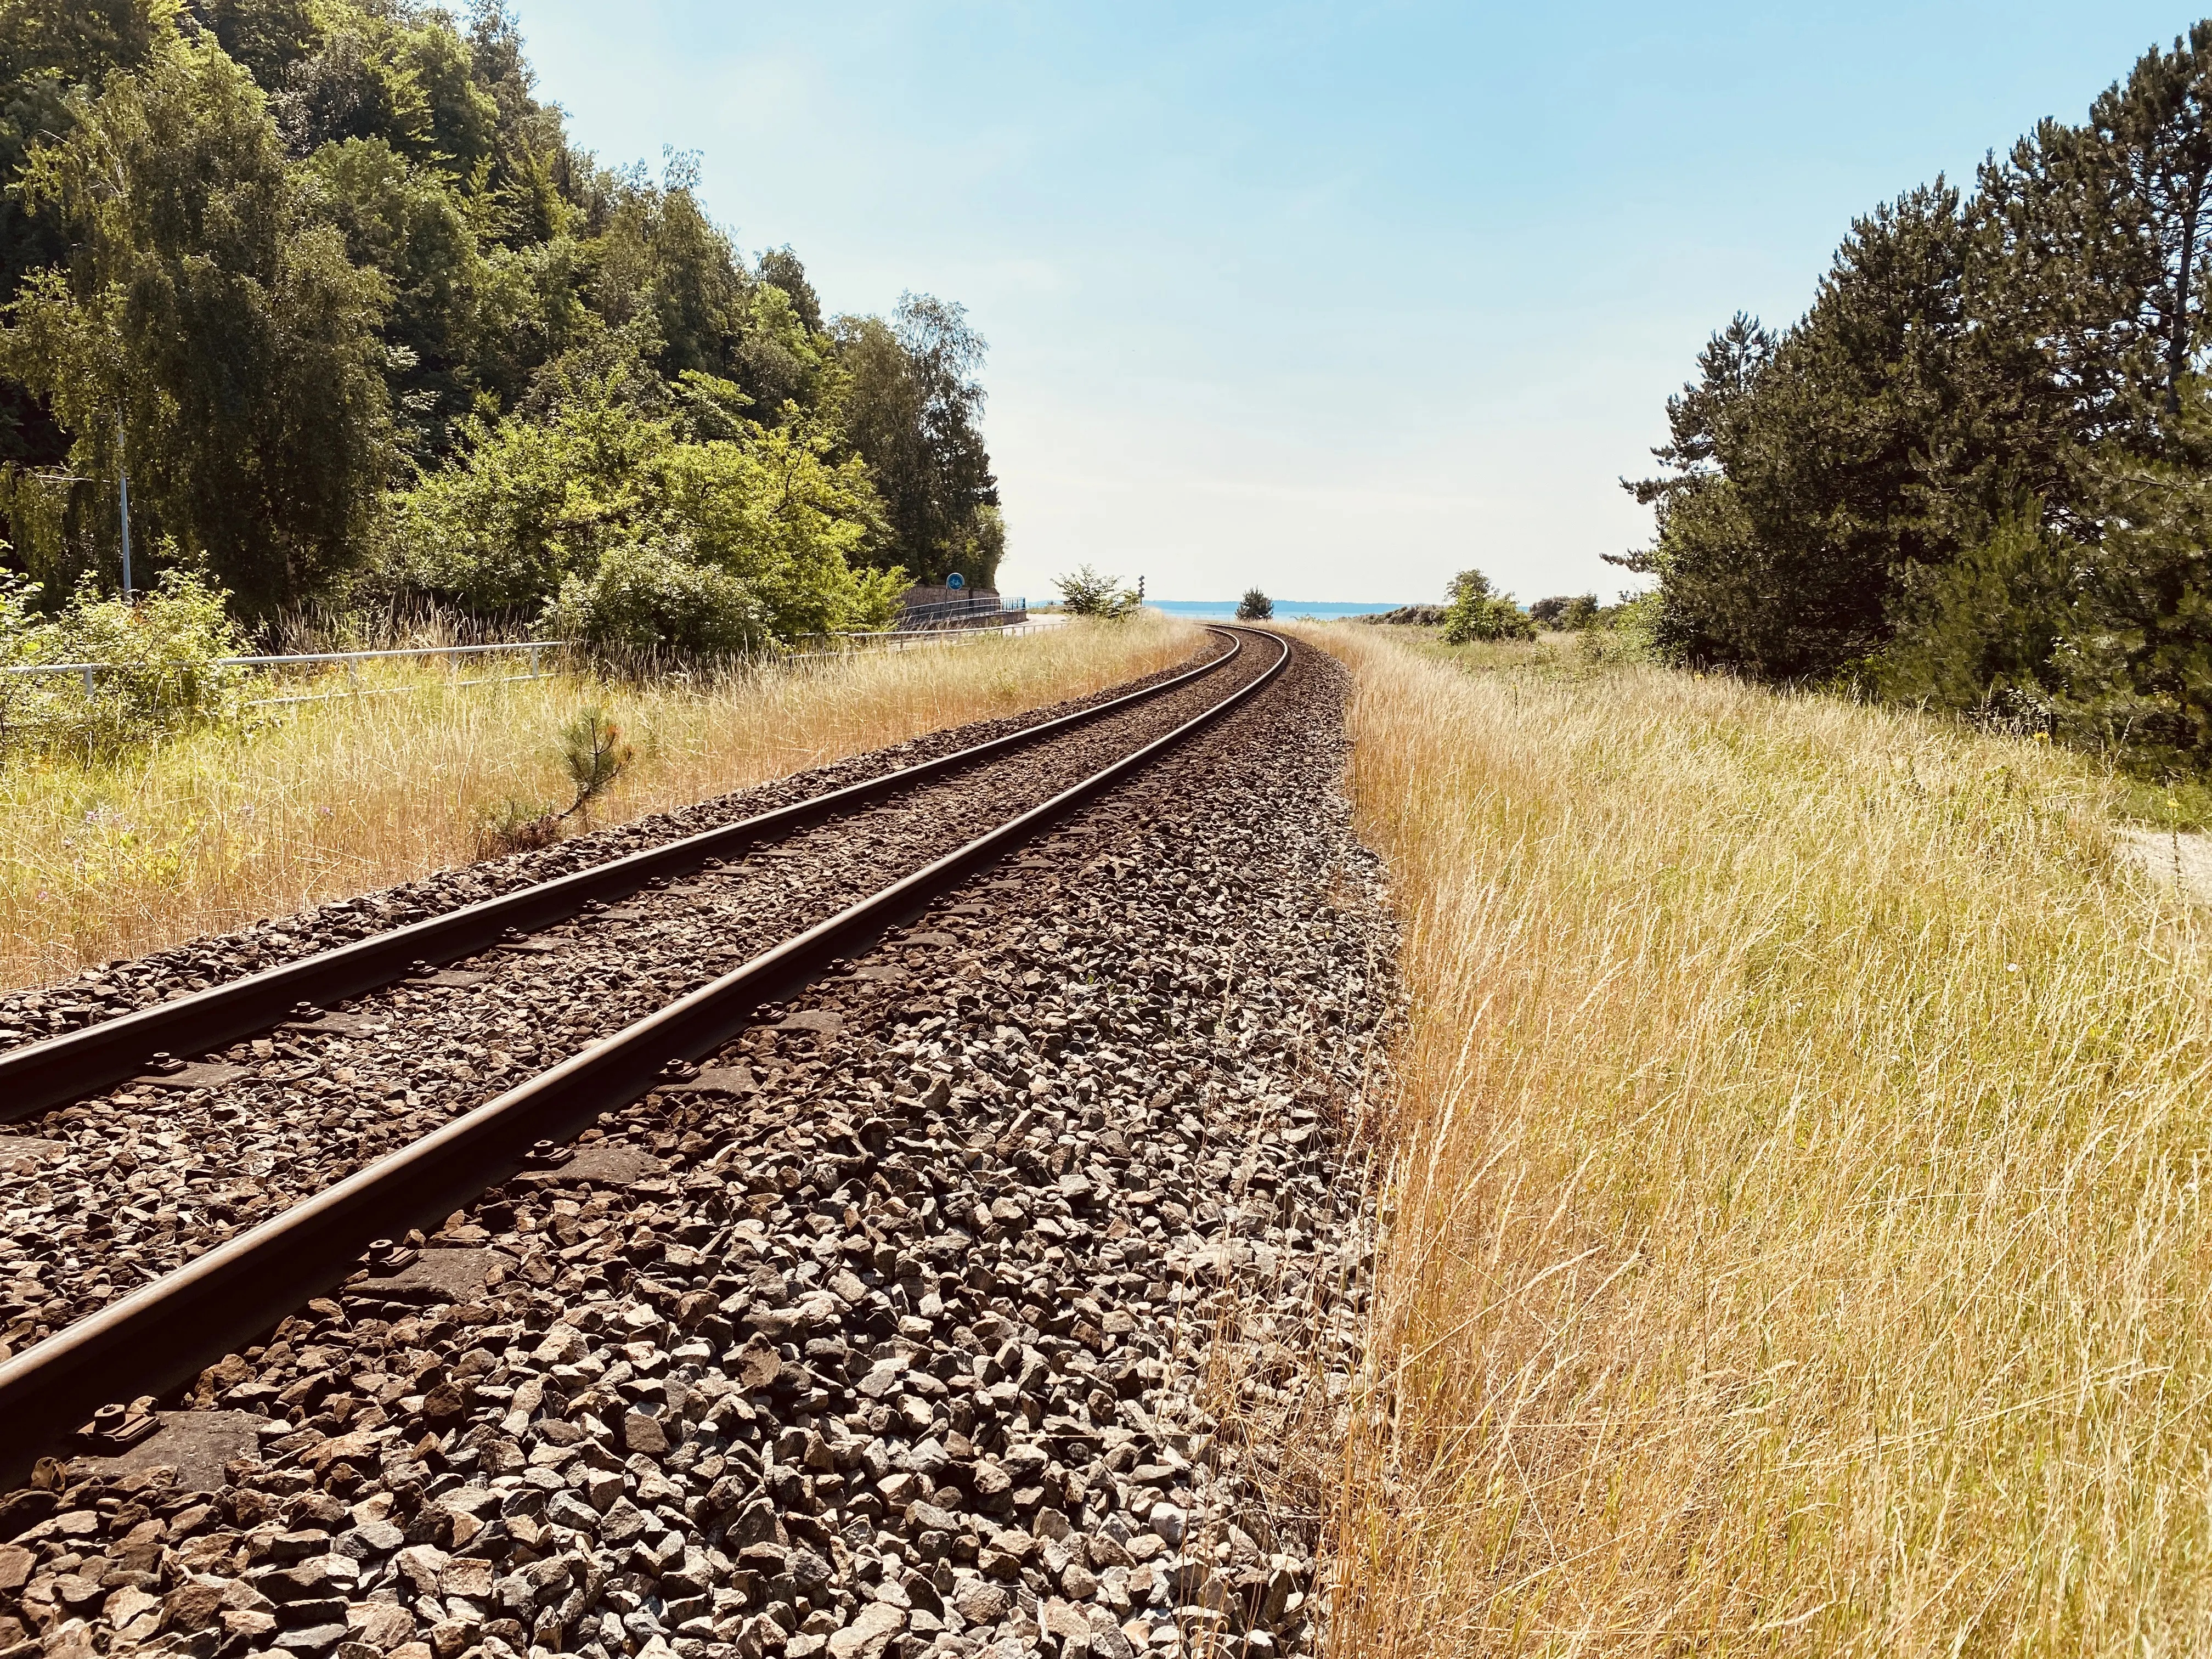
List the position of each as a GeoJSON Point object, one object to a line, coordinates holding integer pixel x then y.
{"type": "Point", "coordinates": [1796, 1235]}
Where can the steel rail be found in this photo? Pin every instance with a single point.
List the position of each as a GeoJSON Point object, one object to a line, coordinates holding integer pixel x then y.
{"type": "Point", "coordinates": [37, 1077]}
{"type": "Point", "coordinates": [165, 1331]}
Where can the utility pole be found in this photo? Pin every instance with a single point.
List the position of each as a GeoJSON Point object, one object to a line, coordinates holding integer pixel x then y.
{"type": "Point", "coordinates": [123, 476]}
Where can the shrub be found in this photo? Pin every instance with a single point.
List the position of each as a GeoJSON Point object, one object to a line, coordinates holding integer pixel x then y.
{"type": "Point", "coordinates": [1569, 612]}
{"type": "Point", "coordinates": [1622, 632]}
{"type": "Point", "coordinates": [532, 507]}
{"type": "Point", "coordinates": [1476, 613]}
{"type": "Point", "coordinates": [158, 657]}
{"type": "Point", "coordinates": [1978, 635]}
{"type": "Point", "coordinates": [1408, 616]}
{"type": "Point", "coordinates": [1087, 593]}
{"type": "Point", "coordinates": [1255, 606]}
{"type": "Point", "coordinates": [645, 599]}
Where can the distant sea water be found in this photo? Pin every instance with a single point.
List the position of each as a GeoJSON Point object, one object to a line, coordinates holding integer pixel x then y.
{"type": "Point", "coordinates": [1287, 610]}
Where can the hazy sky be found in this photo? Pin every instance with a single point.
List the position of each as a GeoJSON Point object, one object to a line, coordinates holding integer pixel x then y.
{"type": "Point", "coordinates": [1333, 300]}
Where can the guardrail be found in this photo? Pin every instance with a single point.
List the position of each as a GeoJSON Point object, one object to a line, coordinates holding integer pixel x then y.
{"type": "Point", "coordinates": [924, 624]}
{"type": "Point", "coordinates": [922, 618]}
{"type": "Point", "coordinates": [909, 639]}
{"type": "Point", "coordinates": [89, 672]}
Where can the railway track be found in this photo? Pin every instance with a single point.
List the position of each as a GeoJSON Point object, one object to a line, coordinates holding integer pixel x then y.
{"type": "Point", "coordinates": [991, 1321]}
{"type": "Point", "coordinates": [164, 1169]}
{"type": "Point", "coordinates": [37, 1076]}
{"type": "Point", "coordinates": [558, 966]}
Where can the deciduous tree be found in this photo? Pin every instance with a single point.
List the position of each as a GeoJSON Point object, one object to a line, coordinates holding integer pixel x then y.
{"type": "Point", "coordinates": [207, 304]}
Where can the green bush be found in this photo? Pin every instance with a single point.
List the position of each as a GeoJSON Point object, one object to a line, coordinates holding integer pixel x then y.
{"type": "Point", "coordinates": [740, 538]}
{"type": "Point", "coordinates": [1570, 613]}
{"type": "Point", "coordinates": [1477, 613]}
{"type": "Point", "coordinates": [1255, 606]}
{"type": "Point", "coordinates": [1087, 593]}
{"type": "Point", "coordinates": [157, 664]}
{"type": "Point", "coordinates": [643, 601]}
{"type": "Point", "coordinates": [1979, 635]}
{"type": "Point", "coordinates": [1622, 633]}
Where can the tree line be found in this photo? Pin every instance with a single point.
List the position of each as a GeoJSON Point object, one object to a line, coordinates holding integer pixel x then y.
{"type": "Point", "coordinates": [331, 282]}
{"type": "Point", "coordinates": [1976, 474]}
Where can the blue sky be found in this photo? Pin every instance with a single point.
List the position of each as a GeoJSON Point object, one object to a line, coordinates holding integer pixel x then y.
{"type": "Point", "coordinates": [1332, 299]}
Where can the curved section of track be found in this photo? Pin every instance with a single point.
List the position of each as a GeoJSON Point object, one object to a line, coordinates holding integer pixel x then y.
{"type": "Point", "coordinates": [106, 1194]}
{"type": "Point", "coordinates": [38, 1076]}
{"type": "Point", "coordinates": [166, 1330]}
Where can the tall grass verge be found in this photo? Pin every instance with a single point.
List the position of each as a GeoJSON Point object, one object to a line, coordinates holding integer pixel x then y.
{"type": "Point", "coordinates": [1795, 1235]}
{"type": "Point", "coordinates": [216, 827]}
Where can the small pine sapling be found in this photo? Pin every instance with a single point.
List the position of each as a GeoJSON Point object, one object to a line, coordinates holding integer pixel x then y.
{"type": "Point", "coordinates": [594, 756]}
{"type": "Point", "coordinates": [592, 750]}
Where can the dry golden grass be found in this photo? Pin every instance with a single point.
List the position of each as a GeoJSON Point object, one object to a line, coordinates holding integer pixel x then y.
{"type": "Point", "coordinates": [1797, 1236]}
{"type": "Point", "coordinates": [344, 797]}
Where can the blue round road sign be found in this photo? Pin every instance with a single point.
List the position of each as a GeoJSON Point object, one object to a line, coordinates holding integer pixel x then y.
{"type": "Point", "coordinates": [956, 580]}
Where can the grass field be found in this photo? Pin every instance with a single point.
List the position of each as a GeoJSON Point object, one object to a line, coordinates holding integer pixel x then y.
{"type": "Point", "coordinates": [219, 827]}
{"type": "Point", "coordinates": [1796, 1224]}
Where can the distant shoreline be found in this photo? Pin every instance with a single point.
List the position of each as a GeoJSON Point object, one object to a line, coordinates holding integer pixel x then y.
{"type": "Point", "coordinates": [1286, 609]}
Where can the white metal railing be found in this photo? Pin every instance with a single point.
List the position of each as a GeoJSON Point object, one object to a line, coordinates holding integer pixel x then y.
{"type": "Point", "coordinates": [89, 672]}
{"type": "Point", "coordinates": [919, 618]}
{"type": "Point", "coordinates": [1011, 618]}
{"type": "Point", "coordinates": [911, 639]}
{"type": "Point", "coordinates": [453, 652]}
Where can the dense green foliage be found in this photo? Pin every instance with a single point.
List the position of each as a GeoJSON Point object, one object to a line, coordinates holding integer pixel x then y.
{"type": "Point", "coordinates": [1255, 606]}
{"type": "Point", "coordinates": [161, 667]}
{"type": "Point", "coordinates": [1085, 592]}
{"type": "Point", "coordinates": [603, 506]}
{"type": "Point", "coordinates": [1977, 472]}
{"type": "Point", "coordinates": [331, 282]}
{"type": "Point", "coordinates": [1477, 612]}
{"type": "Point", "coordinates": [1570, 613]}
